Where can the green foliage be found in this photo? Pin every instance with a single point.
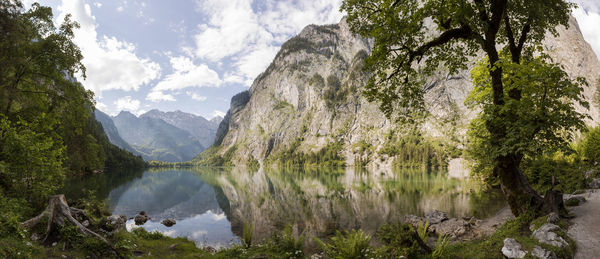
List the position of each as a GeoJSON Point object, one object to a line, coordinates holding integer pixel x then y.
{"type": "Point", "coordinates": [252, 163]}
{"type": "Point", "coordinates": [440, 247]}
{"type": "Point", "coordinates": [414, 150]}
{"type": "Point", "coordinates": [13, 212]}
{"type": "Point", "coordinates": [287, 244]}
{"type": "Point", "coordinates": [211, 157]}
{"type": "Point", "coordinates": [31, 162]}
{"type": "Point", "coordinates": [334, 93]}
{"type": "Point", "coordinates": [282, 104]}
{"type": "Point", "coordinates": [422, 230]}
{"type": "Point", "coordinates": [526, 102]}
{"type": "Point", "coordinates": [518, 229]}
{"type": "Point", "coordinates": [542, 120]}
{"type": "Point", "coordinates": [328, 156]}
{"type": "Point", "coordinates": [351, 245]}
{"type": "Point", "coordinates": [402, 39]}
{"type": "Point", "coordinates": [142, 233]}
{"type": "Point", "coordinates": [247, 232]}
{"type": "Point", "coordinates": [17, 248]}
{"type": "Point", "coordinates": [364, 150]}
{"type": "Point", "coordinates": [556, 171]}
{"type": "Point", "coordinates": [398, 240]}
{"type": "Point", "coordinates": [317, 81]}
{"type": "Point", "coordinates": [590, 145]}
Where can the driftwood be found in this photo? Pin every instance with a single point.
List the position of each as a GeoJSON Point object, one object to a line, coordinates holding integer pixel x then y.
{"type": "Point", "coordinates": [58, 212]}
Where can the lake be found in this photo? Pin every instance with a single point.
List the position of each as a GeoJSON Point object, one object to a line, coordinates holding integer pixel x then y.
{"type": "Point", "coordinates": [211, 205]}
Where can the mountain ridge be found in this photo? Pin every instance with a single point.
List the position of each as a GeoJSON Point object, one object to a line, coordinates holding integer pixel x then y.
{"type": "Point", "coordinates": [309, 97]}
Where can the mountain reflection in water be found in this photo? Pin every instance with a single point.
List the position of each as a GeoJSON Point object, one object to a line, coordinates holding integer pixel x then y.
{"type": "Point", "coordinates": [211, 205]}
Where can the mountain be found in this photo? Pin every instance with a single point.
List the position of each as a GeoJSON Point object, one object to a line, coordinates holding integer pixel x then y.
{"type": "Point", "coordinates": [309, 99]}
{"type": "Point", "coordinates": [111, 131]}
{"type": "Point", "coordinates": [156, 139]}
{"type": "Point", "coordinates": [202, 129]}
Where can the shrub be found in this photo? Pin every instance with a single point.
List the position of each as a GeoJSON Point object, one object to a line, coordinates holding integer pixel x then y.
{"type": "Point", "coordinates": [353, 244]}
{"type": "Point", "coordinates": [591, 145]}
{"type": "Point", "coordinates": [399, 240]}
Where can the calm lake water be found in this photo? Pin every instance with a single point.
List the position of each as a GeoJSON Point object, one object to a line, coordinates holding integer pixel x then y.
{"type": "Point", "coordinates": [211, 205]}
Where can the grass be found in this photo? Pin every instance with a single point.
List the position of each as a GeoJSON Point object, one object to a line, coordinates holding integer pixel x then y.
{"type": "Point", "coordinates": [518, 229]}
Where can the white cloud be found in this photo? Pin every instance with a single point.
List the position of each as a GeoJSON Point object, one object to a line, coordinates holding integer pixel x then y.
{"type": "Point", "coordinates": [128, 104]}
{"type": "Point", "coordinates": [252, 38]}
{"type": "Point", "coordinates": [588, 17]}
{"type": "Point", "coordinates": [196, 96]}
{"type": "Point", "coordinates": [120, 9]}
{"type": "Point", "coordinates": [218, 113]}
{"type": "Point", "coordinates": [110, 63]}
{"type": "Point", "coordinates": [101, 106]}
{"type": "Point", "coordinates": [98, 4]}
{"type": "Point", "coordinates": [157, 96]}
{"type": "Point", "coordinates": [186, 74]}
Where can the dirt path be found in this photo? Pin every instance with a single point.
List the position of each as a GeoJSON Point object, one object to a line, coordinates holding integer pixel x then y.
{"type": "Point", "coordinates": [586, 226]}
{"type": "Point", "coordinates": [488, 226]}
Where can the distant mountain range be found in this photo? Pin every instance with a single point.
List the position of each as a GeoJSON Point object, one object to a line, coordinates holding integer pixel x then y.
{"type": "Point", "coordinates": [156, 135]}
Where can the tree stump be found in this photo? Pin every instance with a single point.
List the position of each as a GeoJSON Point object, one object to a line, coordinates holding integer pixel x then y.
{"type": "Point", "coordinates": [58, 212]}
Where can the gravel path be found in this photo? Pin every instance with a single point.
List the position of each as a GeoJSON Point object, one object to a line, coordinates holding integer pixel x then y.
{"type": "Point", "coordinates": [586, 226]}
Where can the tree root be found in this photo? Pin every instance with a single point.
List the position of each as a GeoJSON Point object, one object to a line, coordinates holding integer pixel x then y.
{"type": "Point", "coordinates": [58, 212]}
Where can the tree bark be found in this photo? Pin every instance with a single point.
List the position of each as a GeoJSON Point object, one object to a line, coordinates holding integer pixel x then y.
{"type": "Point", "coordinates": [520, 196]}
{"type": "Point", "coordinates": [58, 212]}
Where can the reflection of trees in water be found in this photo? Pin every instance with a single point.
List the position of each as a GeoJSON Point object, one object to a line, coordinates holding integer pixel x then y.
{"type": "Point", "coordinates": [101, 184]}
{"type": "Point", "coordinates": [176, 194]}
{"type": "Point", "coordinates": [320, 202]}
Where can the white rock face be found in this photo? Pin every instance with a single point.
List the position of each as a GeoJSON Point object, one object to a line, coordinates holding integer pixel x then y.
{"type": "Point", "coordinates": [457, 168]}
{"type": "Point", "coordinates": [546, 234]}
{"type": "Point", "coordinates": [543, 253]}
{"type": "Point", "coordinates": [289, 104]}
{"type": "Point", "coordinates": [512, 249]}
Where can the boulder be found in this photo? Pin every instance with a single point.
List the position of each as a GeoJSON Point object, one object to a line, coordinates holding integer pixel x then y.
{"type": "Point", "coordinates": [512, 249]}
{"type": "Point", "coordinates": [452, 227]}
{"type": "Point", "coordinates": [435, 217]}
{"type": "Point", "coordinates": [546, 234]}
{"type": "Point", "coordinates": [595, 184]}
{"type": "Point", "coordinates": [115, 222]}
{"type": "Point", "coordinates": [168, 222]}
{"type": "Point", "coordinates": [141, 218]}
{"type": "Point", "coordinates": [543, 253]}
{"type": "Point", "coordinates": [413, 220]}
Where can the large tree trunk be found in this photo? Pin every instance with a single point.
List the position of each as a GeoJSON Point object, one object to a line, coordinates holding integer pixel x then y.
{"type": "Point", "coordinates": [519, 194]}
{"type": "Point", "coordinates": [521, 197]}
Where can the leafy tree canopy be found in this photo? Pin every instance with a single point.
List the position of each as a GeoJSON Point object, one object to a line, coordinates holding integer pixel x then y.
{"type": "Point", "coordinates": [545, 117]}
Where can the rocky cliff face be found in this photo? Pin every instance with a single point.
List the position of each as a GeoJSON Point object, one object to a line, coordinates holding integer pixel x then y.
{"type": "Point", "coordinates": [201, 128]}
{"type": "Point", "coordinates": [310, 96]}
{"type": "Point", "coordinates": [111, 131]}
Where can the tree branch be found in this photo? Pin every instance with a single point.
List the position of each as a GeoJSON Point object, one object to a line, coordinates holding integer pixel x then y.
{"type": "Point", "coordinates": [463, 32]}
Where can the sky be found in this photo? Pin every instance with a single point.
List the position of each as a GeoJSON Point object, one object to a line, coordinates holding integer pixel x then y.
{"type": "Point", "coordinates": [194, 55]}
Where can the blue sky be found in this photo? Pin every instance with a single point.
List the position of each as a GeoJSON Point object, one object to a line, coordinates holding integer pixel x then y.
{"type": "Point", "coordinates": [193, 55]}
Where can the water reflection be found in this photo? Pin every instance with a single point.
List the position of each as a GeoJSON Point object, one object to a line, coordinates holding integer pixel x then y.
{"type": "Point", "coordinates": [211, 205]}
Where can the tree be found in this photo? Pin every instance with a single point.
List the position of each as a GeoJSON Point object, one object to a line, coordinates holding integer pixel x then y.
{"type": "Point", "coordinates": [412, 39]}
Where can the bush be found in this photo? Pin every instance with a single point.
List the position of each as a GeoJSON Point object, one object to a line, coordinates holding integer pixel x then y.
{"type": "Point", "coordinates": [399, 240]}
{"type": "Point", "coordinates": [284, 243]}
{"type": "Point", "coordinates": [558, 172]}
{"type": "Point", "coordinates": [591, 145]}
{"type": "Point", "coordinates": [353, 244]}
